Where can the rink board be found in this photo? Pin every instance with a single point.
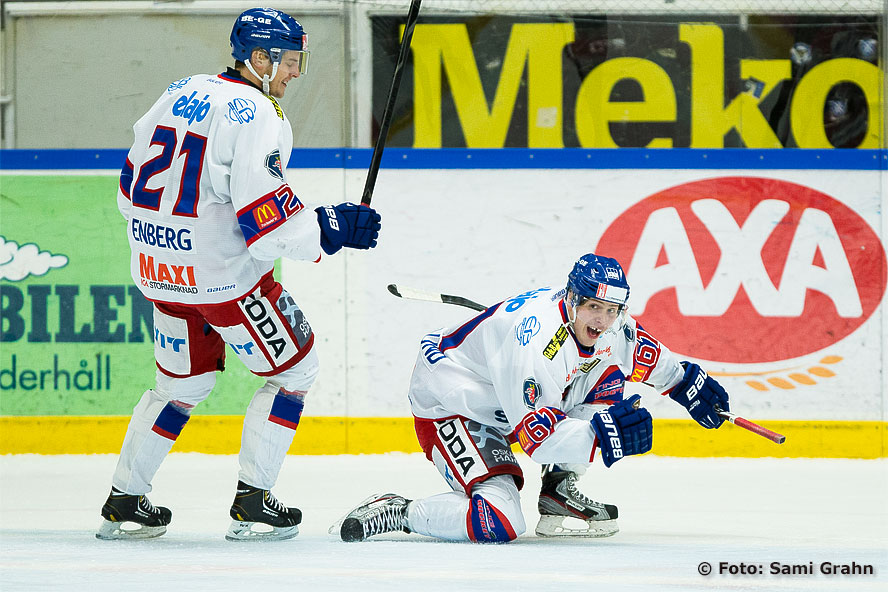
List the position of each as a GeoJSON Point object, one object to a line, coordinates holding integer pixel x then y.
{"type": "Point", "coordinates": [220, 434]}
{"type": "Point", "coordinates": [77, 346]}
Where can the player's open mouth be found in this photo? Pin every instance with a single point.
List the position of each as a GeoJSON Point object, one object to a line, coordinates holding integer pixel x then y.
{"type": "Point", "coordinates": [593, 332]}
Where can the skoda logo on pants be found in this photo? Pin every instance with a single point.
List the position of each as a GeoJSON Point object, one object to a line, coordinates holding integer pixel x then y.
{"type": "Point", "coordinates": [268, 327]}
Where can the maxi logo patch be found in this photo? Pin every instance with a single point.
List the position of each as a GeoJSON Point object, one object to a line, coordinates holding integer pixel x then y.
{"type": "Point", "coordinates": [555, 343]}
{"type": "Point", "coordinates": [273, 165]}
{"type": "Point", "coordinates": [532, 392]}
{"type": "Point", "coordinates": [166, 276]}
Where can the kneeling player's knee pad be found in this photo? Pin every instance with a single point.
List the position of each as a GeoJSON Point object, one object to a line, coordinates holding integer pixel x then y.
{"type": "Point", "coordinates": [495, 514]}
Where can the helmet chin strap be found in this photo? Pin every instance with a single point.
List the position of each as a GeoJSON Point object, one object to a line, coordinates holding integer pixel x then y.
{"type": "Point", "coordinates": [265, 79]}
{"type": "Point", "coordinates": [570, 309]}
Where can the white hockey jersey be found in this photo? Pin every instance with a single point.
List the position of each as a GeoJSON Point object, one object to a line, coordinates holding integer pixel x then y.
{"type": "Point", "coordinates": [518, 367]}
{"type": "Point", "coordinates": [205, 196]}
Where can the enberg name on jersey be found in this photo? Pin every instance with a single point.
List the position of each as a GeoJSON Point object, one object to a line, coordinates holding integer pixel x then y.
{"type": "Point", "coordinates": [189, 245]}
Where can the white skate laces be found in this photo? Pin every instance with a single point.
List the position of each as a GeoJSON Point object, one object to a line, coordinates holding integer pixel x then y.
{"type": "Point", "coordinates": [273, 504]}
{"type": "Point", "coordinates": [387, 519]}
{"type": "Point", "coordinates": [378, 514]}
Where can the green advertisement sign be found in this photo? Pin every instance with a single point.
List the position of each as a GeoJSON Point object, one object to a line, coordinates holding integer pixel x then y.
{"type": "Point", "coordinates": [76, 336]}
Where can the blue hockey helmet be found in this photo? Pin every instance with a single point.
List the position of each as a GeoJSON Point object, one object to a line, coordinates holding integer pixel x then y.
{"type": "Point", "coordinates": [270, 30]}
{"type": "Point", "coordinates": [599, 277]}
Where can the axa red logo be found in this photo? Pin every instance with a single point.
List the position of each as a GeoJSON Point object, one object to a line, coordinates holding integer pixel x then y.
{"type": "Point", "coordinates": [747, 269]}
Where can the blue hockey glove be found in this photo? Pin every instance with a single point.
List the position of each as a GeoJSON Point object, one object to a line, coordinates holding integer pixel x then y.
{"type": "Point", "coordinates": [623, 430]}
{"type": "Point", "coordinates": [701, 394]}
{"type": "Point", "coordinates": [348, 225]}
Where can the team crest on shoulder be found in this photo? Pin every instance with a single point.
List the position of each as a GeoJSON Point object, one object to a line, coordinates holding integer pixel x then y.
{"type": "Point", "coordinates": [273, 165]}
{"type": "Point", "coordinates": [241, 110]}
{"type": "Point", "coordinates": [532, 392]}
{"type": "Point", "coordinates": [526, 330]}
{"type": "Point", "coordinates": [178, 85]}
{"type": "Point", "coordinates": [628, 333]}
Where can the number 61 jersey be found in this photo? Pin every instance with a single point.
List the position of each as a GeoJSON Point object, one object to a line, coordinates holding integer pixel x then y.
{"type": "Point", "coordinates": [203, 191]}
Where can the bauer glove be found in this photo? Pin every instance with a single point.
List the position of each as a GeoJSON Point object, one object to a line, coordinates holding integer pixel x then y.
{"type": "Point", "coordinates": [701, 395]}
{"type": "Point", "coordinates": [348, 225]}
{"type": "Point", "coordinates": [622, 430]}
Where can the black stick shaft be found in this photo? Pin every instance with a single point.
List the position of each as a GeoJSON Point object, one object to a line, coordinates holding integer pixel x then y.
{"type": "Point", "coordinates": [412, 16]}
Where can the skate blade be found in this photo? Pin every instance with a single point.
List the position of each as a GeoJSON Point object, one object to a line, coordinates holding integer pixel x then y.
{"type": "Point", "coordinates": [558, 526]}
{"type": "Point", "coordinates": [337, 526]}
{"type": "Point", "coordinates": [115, 531]}
{"type": "Point", "coordinates": [257, 531]}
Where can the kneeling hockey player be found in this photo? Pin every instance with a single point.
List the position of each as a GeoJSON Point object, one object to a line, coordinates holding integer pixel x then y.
{"type": "Point", "coordinates": [545, 368]}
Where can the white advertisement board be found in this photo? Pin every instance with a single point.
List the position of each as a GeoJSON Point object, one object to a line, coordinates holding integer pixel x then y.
{"type": "Point", "coordinates": [772, 279]}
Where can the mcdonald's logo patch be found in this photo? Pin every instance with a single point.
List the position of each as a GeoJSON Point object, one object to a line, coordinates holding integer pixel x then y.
{"type": "Point", "coordinates": [266, 214]}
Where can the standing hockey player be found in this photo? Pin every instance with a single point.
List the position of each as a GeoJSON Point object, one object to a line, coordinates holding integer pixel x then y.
{"type": "Point", "coordinates": [545, 368]}
{"type": "Point", "coordinates": [208, 210]}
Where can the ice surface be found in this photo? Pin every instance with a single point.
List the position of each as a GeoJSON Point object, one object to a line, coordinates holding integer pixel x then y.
{"type": "Point", "coordinates": [674, 514]}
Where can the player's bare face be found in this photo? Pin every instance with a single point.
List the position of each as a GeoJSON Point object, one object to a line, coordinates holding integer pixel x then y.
{"type": "Point", "coordinates": [288, 70]}
{"type": "Point", "coordinates": [594, 317]}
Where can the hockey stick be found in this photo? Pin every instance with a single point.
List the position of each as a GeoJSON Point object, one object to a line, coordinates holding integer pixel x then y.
{"type": "Point", "coordinates": [752, 427]}
{"type": "Point", "coordinates": [412, 15]}
{"type": "Point", "coordinates": [413, 294]}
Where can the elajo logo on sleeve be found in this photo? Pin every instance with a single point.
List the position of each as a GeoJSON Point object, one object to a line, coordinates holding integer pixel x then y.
{"type": "Point", "coordinates": [747, 269]}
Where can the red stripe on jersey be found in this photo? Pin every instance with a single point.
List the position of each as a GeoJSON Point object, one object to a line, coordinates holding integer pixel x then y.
{"type": "Point", "coordinates": [235, 80]}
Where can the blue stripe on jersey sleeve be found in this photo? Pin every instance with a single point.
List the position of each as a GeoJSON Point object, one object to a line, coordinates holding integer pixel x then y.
{"type": "Point", "coordinates": [454, 339]}
{"type": "Point", "coordinates": [126, 178]}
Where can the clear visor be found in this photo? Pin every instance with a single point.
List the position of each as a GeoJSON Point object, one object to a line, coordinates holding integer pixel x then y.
{"type": "Point", "coordinates": [303, 61]}
{"type": "Point", "coordinates": [577, 300]}
{"type": "Point", "coordinates": [289, 55]}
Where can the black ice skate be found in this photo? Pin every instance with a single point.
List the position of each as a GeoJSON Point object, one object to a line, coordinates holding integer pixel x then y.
{"type": "Point", "coordinates": [378, 514]}
{"type": "Point", "coordinates": [128, 516]}
{"type": "Point", "coordinates": [560, 500]}
{"type": "Point", "coordinates": [258, 516]}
